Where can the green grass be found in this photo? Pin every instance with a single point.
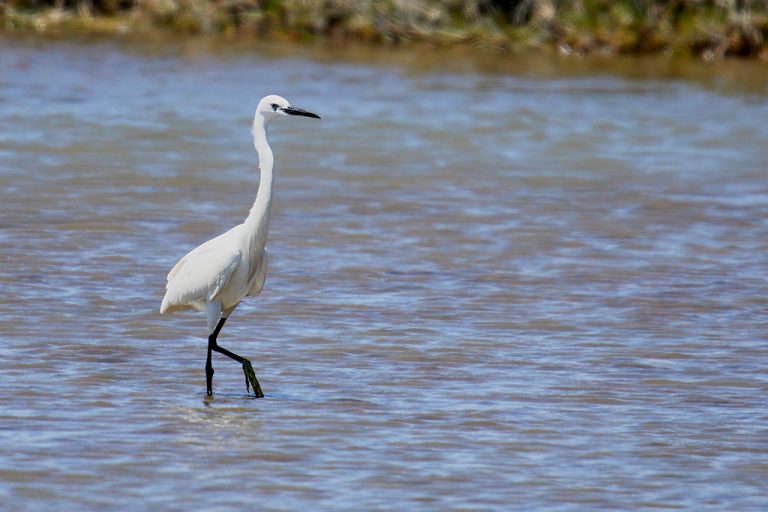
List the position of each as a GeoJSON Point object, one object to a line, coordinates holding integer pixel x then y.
{"type": "Point", "coordinates": [706, 28]}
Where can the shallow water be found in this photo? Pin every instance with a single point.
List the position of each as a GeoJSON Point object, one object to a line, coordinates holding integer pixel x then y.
{"type": "Point", "coordinates": [495, 283]}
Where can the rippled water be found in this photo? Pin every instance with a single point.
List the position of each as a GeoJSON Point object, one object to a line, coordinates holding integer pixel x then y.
{"type": "Point", "coordinates": [495, 284]}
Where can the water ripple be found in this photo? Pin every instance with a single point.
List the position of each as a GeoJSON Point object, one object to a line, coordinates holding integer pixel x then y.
{"type": "Point", "coordinates": [489, 289]}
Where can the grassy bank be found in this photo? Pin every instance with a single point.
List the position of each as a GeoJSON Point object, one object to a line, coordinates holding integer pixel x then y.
{"type": "Point", "coordinates": [707, 28]}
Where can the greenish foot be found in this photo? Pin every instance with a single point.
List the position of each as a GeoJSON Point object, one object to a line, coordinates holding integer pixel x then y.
{"type": "Point", "coordinates": [251, 380]}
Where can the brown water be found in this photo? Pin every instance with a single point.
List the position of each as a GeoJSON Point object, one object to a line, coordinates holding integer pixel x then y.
{"type": "Point", "coordinates": [495, 284]}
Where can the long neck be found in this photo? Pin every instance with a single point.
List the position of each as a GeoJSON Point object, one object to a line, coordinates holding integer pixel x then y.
{"type": "Point", "coordinates": [259, 214]}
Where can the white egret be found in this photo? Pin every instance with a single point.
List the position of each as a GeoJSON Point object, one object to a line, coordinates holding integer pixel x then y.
{"type": "Point", "coordinates": [217, 275]}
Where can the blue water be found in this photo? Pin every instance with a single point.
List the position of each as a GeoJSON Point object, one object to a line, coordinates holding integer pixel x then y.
{"type": "Point", "coordinates": [510, 283]}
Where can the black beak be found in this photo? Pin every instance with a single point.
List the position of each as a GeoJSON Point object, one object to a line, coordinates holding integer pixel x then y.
{"type": "Point", "coordinates": [293, 111]}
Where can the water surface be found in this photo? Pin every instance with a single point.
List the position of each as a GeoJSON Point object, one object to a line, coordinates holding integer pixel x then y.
{"type": "Point", "coordinates": [495, 283]}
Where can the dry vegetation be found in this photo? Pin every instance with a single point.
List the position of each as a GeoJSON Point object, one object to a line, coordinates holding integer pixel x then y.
{"type": "Point", "coordinates": [708, 28]}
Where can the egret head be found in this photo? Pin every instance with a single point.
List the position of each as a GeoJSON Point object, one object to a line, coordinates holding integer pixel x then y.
{"type": "Point", "coordinates": [274, 106]}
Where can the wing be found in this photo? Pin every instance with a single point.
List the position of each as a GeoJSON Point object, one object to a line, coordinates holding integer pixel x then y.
{"type": "Point", "coordinates": [227, 239]}
{"type": "Point", "coordinates": [202, 273]}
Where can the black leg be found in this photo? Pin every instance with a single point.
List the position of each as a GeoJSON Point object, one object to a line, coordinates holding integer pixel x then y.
{"type": "Point", "coordinates": [209, 363]}
{"type": "Point", "coordinates": [250, 375]}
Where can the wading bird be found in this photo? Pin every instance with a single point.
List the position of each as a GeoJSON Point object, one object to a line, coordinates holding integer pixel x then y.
{"type": "Point", "coordinates": [217, 275]}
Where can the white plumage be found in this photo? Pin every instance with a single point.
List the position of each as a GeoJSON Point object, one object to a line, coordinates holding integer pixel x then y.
{"type": "Point", "coordinates": [223, 270]}
{"type": "Point", "coordinates": [218, 274]}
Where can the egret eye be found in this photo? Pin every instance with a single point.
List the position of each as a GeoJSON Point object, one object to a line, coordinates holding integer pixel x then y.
{"type": "Point", "coordinates": [275, 106]}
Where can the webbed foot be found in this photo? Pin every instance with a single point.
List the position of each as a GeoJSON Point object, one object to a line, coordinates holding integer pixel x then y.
{"type": "Point", "coordinates": [251, 380]}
